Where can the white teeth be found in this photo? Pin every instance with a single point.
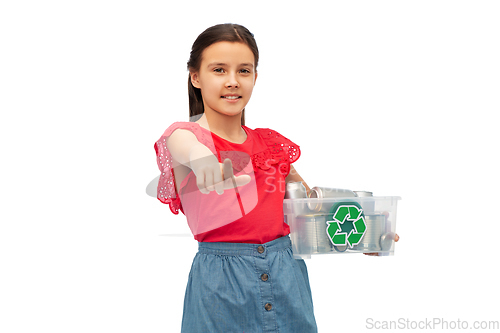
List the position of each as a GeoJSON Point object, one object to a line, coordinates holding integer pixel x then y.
{"type": "Point", "coordinates": [231, 97]}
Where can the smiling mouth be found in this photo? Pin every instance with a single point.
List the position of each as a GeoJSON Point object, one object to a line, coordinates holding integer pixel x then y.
{"type": "Point", "coordinates": [231, 97]}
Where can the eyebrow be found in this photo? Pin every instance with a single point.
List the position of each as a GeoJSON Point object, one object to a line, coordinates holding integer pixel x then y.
{"type": "Point", "coordinates": [223, 64]}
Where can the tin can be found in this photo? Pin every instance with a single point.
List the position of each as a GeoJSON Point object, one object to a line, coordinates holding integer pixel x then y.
{"type": "Point", "coordinates": [326, 192]}
{"type": "Point", "coordinates": [368, 204]}
{"type": "Point", "coordinates": [311, 236]}
{"type": "Point", "coordinates": [375, 229]}
{"type": "Point", "coordinates": [297, 190]}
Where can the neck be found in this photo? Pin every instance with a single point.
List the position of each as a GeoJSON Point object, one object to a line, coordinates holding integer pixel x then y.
{"type": "Point", "coordinates": [228, 127]}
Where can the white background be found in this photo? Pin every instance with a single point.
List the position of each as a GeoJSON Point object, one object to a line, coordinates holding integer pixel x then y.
{"type": "Point", "coordinates": [395, 97]}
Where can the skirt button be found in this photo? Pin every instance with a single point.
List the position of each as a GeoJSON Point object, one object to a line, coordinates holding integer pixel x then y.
{"type": "Point", "coordinates": [260, 249]}
{"type": "Point", "coordinates": [268, 306]}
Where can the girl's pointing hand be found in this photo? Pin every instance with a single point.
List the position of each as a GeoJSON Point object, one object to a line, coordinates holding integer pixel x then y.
{"type": "Point", "coordinates": [214, 176]}
{"type": "Point", "coordinates": [230, 181]}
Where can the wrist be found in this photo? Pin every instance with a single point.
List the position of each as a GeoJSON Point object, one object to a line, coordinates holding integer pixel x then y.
{"type": "Point", "coordinates": [200, 153]}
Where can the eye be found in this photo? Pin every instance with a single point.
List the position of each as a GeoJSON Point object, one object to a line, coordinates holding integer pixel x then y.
{"type": "Point", "coordinates": [219, 70]}
{"type": "Point", "coordinates": [245, 71]}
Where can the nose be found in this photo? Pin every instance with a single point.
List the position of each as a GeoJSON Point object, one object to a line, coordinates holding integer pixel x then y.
{"type": "Point", "coordinates": [232, 82]}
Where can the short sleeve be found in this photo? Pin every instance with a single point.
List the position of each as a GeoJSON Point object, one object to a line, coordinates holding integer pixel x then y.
{"type": "Point", "coordinates": [283, 151]}
{"type": "Point", "coordinates": [166, 191]}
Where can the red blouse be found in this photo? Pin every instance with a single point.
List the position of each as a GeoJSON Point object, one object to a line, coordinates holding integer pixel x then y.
{"type": "Point", "coordinates": [252, 213]}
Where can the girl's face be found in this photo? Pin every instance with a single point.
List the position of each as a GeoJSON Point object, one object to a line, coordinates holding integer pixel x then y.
{"type": "Point", "coordinates": [226, 77]}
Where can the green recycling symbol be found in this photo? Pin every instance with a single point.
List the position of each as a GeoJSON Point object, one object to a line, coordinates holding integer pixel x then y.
{"type": "Point", "coordinates": [346, 216]}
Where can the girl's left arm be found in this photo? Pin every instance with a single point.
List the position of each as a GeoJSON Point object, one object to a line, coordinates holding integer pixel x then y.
{"type": "Point", "coordinates": [294, 176]}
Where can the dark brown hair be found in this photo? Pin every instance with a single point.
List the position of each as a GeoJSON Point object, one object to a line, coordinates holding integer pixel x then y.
{"type": "Point", "coordinates": [218, 33]}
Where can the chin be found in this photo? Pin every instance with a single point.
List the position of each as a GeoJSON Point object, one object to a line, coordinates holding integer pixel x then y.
{"type": "Point", "coordinates": [231, 114]}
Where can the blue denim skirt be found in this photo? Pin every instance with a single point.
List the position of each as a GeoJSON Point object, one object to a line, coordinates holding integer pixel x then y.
{"type": "Point", "coordinates": [235, 287]}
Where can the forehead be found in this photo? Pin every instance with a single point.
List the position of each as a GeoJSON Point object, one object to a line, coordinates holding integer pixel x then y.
{"type": "Point", "coordinates": [228, 52]}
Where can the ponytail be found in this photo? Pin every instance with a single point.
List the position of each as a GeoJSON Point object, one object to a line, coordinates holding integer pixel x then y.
{"type": "Point", "coordinates": [196, 107]}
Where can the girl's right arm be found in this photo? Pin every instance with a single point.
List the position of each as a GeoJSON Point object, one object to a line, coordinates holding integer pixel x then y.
{"type": "Point", "coordinates": [210, 174]}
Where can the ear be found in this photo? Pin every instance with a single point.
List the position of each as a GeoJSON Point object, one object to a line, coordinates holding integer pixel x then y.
{"type": "Point", "coordinates": [255, 79]}
{"type": "Point", "coordinates": [195, 81]}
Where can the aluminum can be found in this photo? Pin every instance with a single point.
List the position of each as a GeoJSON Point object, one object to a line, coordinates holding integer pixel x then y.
{"type": "Point", "coordinates": [297, 190]}
{"type": "Point", "coordinates": [329, 192]}
{"type": "Point", "coordinates": [363, 193]}
{"type": "Point", "coordinates": [326, 192]}
{"type": "Point", "coordinates": [368, 205]}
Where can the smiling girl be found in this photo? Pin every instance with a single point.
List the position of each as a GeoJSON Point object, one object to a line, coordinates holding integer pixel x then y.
{"type": "Point", "coordinates": [229, 181]}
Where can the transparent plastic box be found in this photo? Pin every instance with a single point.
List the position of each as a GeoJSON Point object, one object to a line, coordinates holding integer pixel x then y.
{"type": "Point", "coordinates": [341, 225]}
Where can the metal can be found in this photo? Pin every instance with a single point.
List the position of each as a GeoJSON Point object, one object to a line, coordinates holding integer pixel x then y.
{"type": "Point", "coordinates": [297, 190]}
{"type": "Point", "coordinates": [326, 192]}
{"type": "Point", "coordinates": [368, 204]}
{"type": "Point", "coordinates": [375, 229]}
{"type": "Point", "coordinates": [329, 192]}
{"type": "Point", "coordinates": [363, 193]}
{"type": "Point", "coordinates": [386, 240]}
{"type": "Point", "coordinates": [311, 236]}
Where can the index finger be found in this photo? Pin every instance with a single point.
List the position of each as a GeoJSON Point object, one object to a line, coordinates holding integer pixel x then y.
{"type": "Point", "coordinates": [228, 170]}
{"type": "Point", "coordinates": [218, 181]}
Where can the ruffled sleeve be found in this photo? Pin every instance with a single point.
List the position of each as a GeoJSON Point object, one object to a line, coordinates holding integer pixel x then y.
{"type": "Point", "coordinates": [281, 151]}
{"type": "Point", "coordinates": [166, 191]}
